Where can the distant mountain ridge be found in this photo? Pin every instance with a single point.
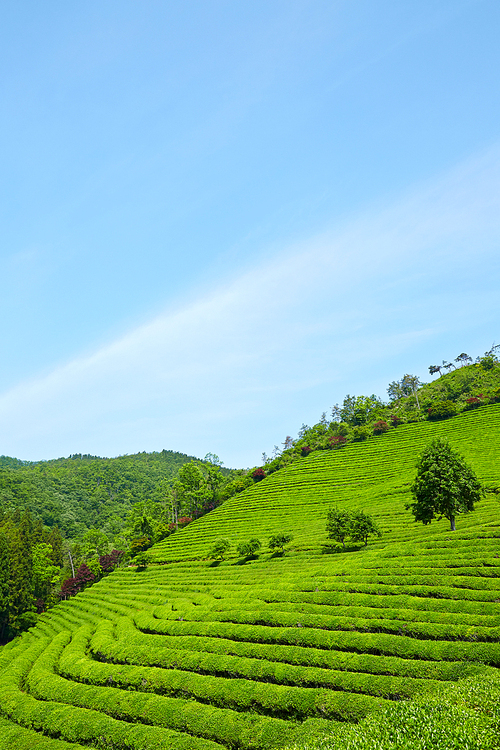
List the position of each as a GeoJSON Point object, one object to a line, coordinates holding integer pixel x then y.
{"type": "Point", "coordinates": [82, 491]}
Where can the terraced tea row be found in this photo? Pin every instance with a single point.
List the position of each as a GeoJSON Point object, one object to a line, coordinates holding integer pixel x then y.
{"type": "Point", "coordinates": [260, 653]}
{"type": "Point", "coordinates": [296, 499]}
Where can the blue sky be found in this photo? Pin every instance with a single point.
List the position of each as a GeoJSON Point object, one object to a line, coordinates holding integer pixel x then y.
{"type": "Point", "coordinates": [219, 218]}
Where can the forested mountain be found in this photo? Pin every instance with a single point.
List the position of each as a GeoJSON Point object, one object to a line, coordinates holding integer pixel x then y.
{"type": "Point", "coordinates": [83, 492]}
{"type": "Point", "coordinates": [65, 523]}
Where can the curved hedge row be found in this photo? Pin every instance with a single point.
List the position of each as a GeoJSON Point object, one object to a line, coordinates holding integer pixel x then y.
{"type": "Point", "coordinates": [254, 654]}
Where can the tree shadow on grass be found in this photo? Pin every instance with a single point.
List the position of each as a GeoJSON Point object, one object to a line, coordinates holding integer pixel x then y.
{"type": "Point", "coordinates": [246, 560]}
{"type": "Point", "coordinates": [215, 563]}
{"type": "Point", "coordinates": [336, 549]}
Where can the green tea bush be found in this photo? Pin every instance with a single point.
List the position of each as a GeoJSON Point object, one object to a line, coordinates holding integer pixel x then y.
{"type": "Point", "coordinates": [466, 716]}
{"type": "Point", "coordinates": [230, 689]}
{"type": "Point", "coordinates": [217, 724]}
{"type": "Point", "coordinates": [163, 651]}
{"type": "Point", "coordinates": [360, 433]}
{"type": "Point", "coordinates": [442, 410]}
{"type": "Point", "coordinates": [14, 736]}
{"type": "Point", "coordinates": [406, 646]}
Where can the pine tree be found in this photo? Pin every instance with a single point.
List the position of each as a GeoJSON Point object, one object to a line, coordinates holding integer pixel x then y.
{"type": "Point", "coordinates": [4, 585]}
{"type": "Point", "coordinates": [21, 583]}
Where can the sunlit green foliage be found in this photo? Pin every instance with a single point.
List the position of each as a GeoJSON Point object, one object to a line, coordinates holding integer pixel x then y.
{"type": "Point", "coordinates": [271, 651]}
{"type": "Point", "coordinates": [249, 548]}
{"type": "Point", "coordinates": [279, 541]}
{"type": "Point", "coordinates": [444, 486]}
{"type": "Point", "coordinates": [220, 549]}
{"type": "Point", "coordinates": [463, 717]}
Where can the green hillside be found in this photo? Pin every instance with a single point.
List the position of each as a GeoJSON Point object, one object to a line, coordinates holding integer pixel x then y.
{"type": "Point", "coordinates": [274, 650]}
{"type": "Point", "coordinates": [82, 492]}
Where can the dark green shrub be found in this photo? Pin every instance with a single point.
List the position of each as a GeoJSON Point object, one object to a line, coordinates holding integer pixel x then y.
{"type": "Point", "coordinates": [360, 432]}
{"type": "Point", "coordinates": [495, 396]}
{"type": "Point", "coordinates": [141, 560]}
{"type": "Point", "coordinates": [140, 544]}
{"type": "Point", "coordinates": [442, 410]}
{"type": "Point", "coordinates": [235, 487]}
{"type": "Point", "coordinates": [340, 428]}
{"type": "Point", "coordinates": [220, 549]}
{"type": "Point", "coordinates": [250, 548]}
{"type": "Point", "coordinates": [279, 541]}
{"type": "Point", "coordinates": [489, 361]}
{"type": "Point", "coordinates": [362, 526]}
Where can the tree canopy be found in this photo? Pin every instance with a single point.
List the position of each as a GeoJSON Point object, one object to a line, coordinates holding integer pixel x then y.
{"type": "Point", "coordinates": [358, 526]}
{"type": "Point", "coordinates": [445, 485]}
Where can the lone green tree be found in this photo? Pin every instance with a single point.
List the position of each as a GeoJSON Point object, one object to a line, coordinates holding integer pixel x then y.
{"type": "Point", "coordinates": [220, 549]}
{"type": "Point", "coordinates": [338, 524]}
{"type": "Point", "coordinates": [445, 485]}
{"type": "Point", "coordinates": [362, 527]}
{"type": "Point", "coordinates": [358, 526]}
{"type": "Point", "coordinates": [279, 541]}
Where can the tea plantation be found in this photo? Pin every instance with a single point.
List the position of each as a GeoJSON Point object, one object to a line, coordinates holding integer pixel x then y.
{"type": "Point", "coordinates": [280, 650]}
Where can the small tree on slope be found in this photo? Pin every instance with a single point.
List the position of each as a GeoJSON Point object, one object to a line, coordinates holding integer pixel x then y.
{"type": "Point", "coordinates": [444, 486]}
{"type": "Point", "coordinates": [338, 525]}
{"type": "Point", "coordinates": [357, 526]}
{"type": "Point", "coordinates": [278, 542]}
{"type": "Point", "coordinates": [363, 526]}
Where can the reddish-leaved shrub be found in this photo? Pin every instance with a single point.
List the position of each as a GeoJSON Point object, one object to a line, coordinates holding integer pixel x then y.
{"type": "Point", "coordinates": [72, 586]}
{"type": "Point", "coordinates": [337, 441]}
{"type": "Point", "coordinates": [258, 474]}
{"type": "Point", "coordinates": [474, 401]}
{"type": "Point", "coordinates": [109, 562]}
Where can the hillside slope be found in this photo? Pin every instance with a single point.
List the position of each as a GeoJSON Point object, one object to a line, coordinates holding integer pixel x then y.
{"type": "Point", "coordinates": [374, 475]}
{"type": "Point", "coordinates": [265, 652]}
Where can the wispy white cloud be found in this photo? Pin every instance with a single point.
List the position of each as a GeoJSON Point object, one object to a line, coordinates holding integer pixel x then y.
{"type": "Point", "coordinates": [231, 370]}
